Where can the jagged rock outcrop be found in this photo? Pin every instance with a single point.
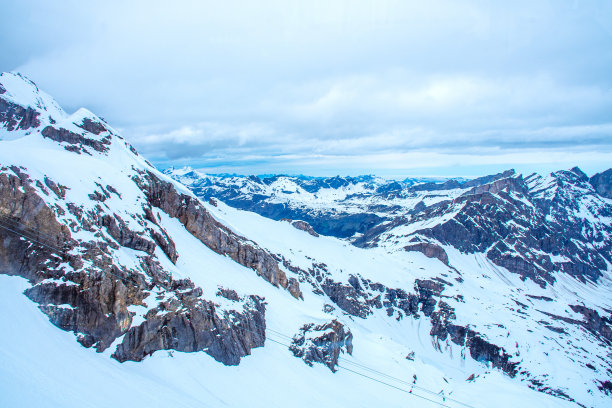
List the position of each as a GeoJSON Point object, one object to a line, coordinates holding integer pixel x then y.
{"type": "Point", "coordinates": [13, 116]}
{"type": "Point", "coordinates": [602, 183]}
{"type": "Point", "coordinates": [86, 301]}
{"type": "Point", "coordinates": [346, 297]}
{"type": "Point", "coordinates": [480, 349]}
{"type": "Point", "coordinates": [322, 343]}
{"type": "Point", "coordinates": [302, 226]}
{"type": "Point", "coordinates": [429, 250]}
{"type": "Point", "coordinates": [191, 324]}
{"type": "Point", "coordinates": [92, 126]}
{"type": "Point", "coordinates": [531, 236]}
{"type": "Point", "coordinates": [75, 141]}
{"type": "Point", "coordinates": [599, 326]}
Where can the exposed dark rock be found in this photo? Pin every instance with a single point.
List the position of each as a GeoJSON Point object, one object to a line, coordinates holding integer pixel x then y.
{"type": "Point", "coordinates": [97, 303]}
{"type": "Point", "coordinates": [163, 240]}
{"type": "Point", "coordinates": [427, 290]}
{"type": "Point", "coordinates": [346, 297]}
{"type": "Point", "coordinates": [97, 307]}
{"type": "Point", "coordinates": [119, 231]}
{"type": "Point", "coordinates": [76, 149]}
{"type": "Point", "coordinates": [441, 324]}
{"type": "Point", "coordinates": [602, 183]}
{"type": "Point", "coordinates": [429, 250]}
{"type": "Point", "coordinates": [581, 174]}
{"type": "Point", "coordinates": [20, 203]}
{"type": "Point", "coordinates": [196, 327]}
{"type": "Point", "coordinates": [598, 325]}
{"type": "Point", "coordinates": [65, 136]}
{"type": "Point", "coordinates": [606, 386]}
{"type": "Point", "coordinates": [449, 184]}
{"type": "Point", "coordinates": [13, 116]}
{"type": "Point", "coordinates": [483, 351]}
{"type": "Point", "coordinates": [161, 237]}
{"type": "Point", "coordinates": [555, 329]}
{"type": "Point", "coordinates": [544, 298]}
{"type": "Point", "coordinates": [322, 344]}
{"type": "Point", "coordinates": [494, 187]}
{"type": "Point", "coordinates": [538, 385]}
{"type": "Point", "coordinates": [391, 189]}
{"type": "Point", "coordinates": [93, 127]}
{"type": "Point", "coordinates": [304, 226]}
{"type": "Point", "coordinates": [228, 294]}
{"type": "Point", "coordinates": [480, 349]}
{"type": "Point", "coordinates": [487, 179]}
{"type": "Point", "coordinates": [399, 298]}
{"type": "Point", "coordinates": [113, 190]}
{"type": "Point", "coordinates": [425, 302]}
{"type": "Point", "coordinates": [370, 237]}
{"type": "Point", "coordinates": [514, 233]}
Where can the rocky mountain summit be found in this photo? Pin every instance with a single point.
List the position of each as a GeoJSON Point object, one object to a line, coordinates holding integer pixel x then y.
{"type": "Point", "coordinates": [66, 237]}
{"type": "Point", "coordinates": [348, 290]}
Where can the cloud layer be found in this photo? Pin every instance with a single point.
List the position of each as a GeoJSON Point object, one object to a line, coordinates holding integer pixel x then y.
{"type": "Point", "coordinates": [388, 87]}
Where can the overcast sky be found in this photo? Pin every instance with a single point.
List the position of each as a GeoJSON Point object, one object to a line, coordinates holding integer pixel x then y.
{"type": "Point", "coordinates": [453, 88]}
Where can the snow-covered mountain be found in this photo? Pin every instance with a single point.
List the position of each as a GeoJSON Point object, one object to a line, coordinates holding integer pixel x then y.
{"type": "Point", "coordinates": [532, 225]}
{"type": "Point", "coordinates": [462, 293]}
{"type": "Point", "coordinates": [335, 206]}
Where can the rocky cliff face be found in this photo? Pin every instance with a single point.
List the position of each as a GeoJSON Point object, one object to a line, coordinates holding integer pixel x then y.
{"type": "Point", "coordinates": [322, 343]}
{"type": "Point", "coordinates": [82, 289]}
{"type": "Point", "coordinates": [191, 213]}
{"type": "Point", "coordinates": [531, 230]}
{"type": "Point", "coordinates": [71, 243]}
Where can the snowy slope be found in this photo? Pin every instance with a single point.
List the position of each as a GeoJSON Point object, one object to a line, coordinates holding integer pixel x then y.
{"type": "Point", "coordinates": [208, 305]}
{"type": "Point", "coordinates": [524, 262]}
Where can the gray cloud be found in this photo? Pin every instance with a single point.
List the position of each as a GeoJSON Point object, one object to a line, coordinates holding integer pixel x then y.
{"type": "Point", "coordinates": [345, 87]}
